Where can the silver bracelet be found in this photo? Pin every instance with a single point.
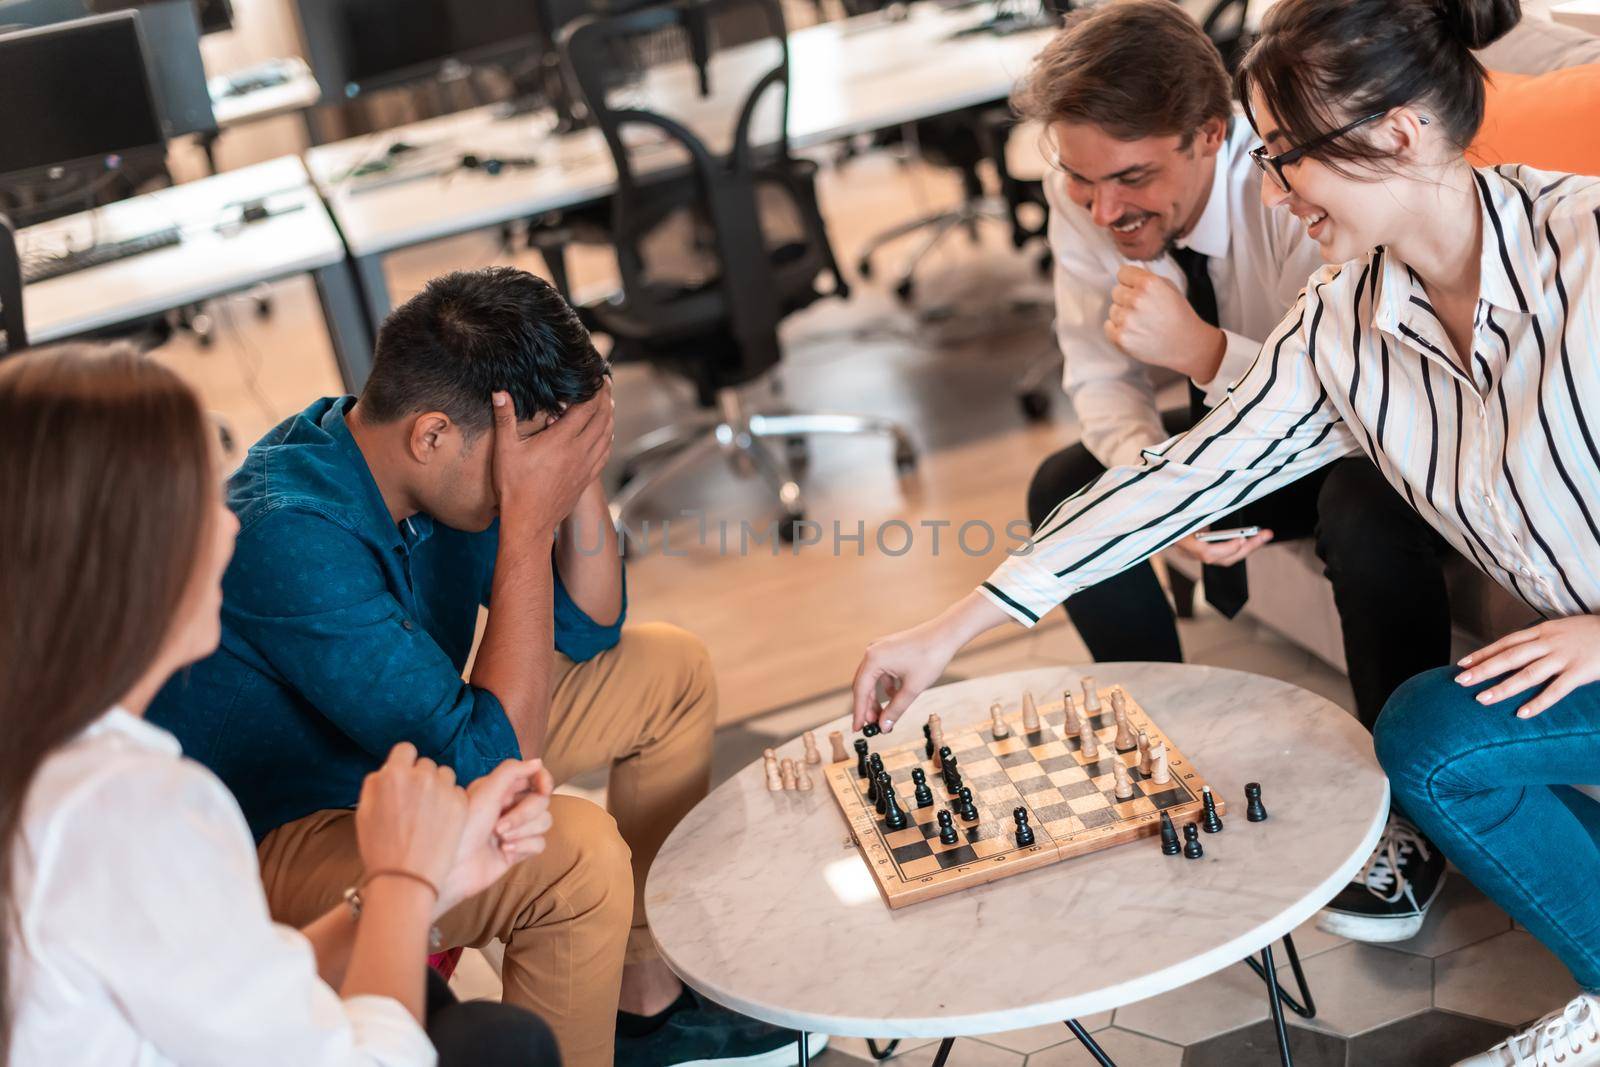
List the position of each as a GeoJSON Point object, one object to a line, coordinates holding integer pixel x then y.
{"type": "Point", "coordinates": [352, 900]}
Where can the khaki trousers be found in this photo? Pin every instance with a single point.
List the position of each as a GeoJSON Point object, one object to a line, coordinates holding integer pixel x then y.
{"type": "Point", "coordinates": [571, 916]}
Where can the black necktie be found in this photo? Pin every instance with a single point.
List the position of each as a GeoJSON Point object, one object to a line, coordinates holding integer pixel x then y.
{"type": "Point", "coordinates": [1226, 588]}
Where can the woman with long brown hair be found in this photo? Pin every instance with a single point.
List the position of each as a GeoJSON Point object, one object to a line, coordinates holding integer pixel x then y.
{"type": "Point", "coordinates": [134, 924]}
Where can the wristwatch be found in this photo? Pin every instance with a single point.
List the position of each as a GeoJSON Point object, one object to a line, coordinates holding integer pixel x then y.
{"type": "Point", "coordinates": [352, 900]}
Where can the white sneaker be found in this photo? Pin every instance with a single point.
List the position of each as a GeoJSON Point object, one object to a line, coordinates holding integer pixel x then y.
{"type": "Point", "coordinates": [1566, 1038]}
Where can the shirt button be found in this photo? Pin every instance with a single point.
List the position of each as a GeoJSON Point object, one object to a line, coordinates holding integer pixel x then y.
{"type": "Point", "coordinates": [406, 624]}
{"type": "Point", "coordinates": [1525, 572]}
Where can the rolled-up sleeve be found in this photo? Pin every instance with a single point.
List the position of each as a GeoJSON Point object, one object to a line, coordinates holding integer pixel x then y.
{"type": "Point", "coordinates": [327, 624]}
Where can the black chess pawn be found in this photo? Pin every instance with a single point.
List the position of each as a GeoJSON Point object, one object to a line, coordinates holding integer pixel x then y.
{"type": "Point", "coordinates": [894, 816]}
{"type": "Point", "coordinates": [968, 810]}
{"type": "Point", "coordinates": [927, 739]}
{"type": "Point", "coordinates": [872, 729]}
{"type": "Point", "coordinates": [923, 795]}
{"type": "Point", "coordinates": [1253, 810]}
{"type": "Point", "coordinates": [872, 787]}
{"type": "Point", "coordinates": [1191, 842]}
{"type": "Point", "coordinates": [874, 765]}
{"type": "Point", "coordinates": [884, 789]}
{"type": "Point", "coordinates": [1211, 820]}
{"type": "Point", "coordinates": [1024, 831]}
{"type": "Point", "coordinates": [947, 828]}
{"type": "Point", "coordinates": [1169, 837]}
{"type": "Point", "coordinates": [861, 758]}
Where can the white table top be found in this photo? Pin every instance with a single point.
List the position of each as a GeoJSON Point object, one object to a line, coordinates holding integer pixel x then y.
{"type": "Point", "coordinates": [847, 77]}
{"type": "Point", "coordinates": [1584, 14]}
{"type": "Point", "coordinates": [299, 92]}
{"type": "Point", "coordinates": [760, 901]}
{"type": "Point", "coordinates": [206, 264]}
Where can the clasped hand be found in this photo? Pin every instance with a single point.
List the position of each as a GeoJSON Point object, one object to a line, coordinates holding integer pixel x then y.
{"type": "Point", "coordinates": [1152, 321]}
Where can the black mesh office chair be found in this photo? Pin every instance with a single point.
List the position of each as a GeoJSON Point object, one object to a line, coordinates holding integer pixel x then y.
{"type": "Point", "coordinates": [13, 332]}
{"type": "Point", "coordinates": [718, 237]}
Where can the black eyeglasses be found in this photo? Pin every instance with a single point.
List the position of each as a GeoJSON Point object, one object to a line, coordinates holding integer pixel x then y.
{"type": "Point", "coordinates": [1272, 166]}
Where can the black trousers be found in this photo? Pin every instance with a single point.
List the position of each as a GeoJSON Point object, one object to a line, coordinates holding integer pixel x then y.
{"type": "Point", "coordinates": [1385, 563]}
{"type": "Point", "coordinates": [486, 1033]}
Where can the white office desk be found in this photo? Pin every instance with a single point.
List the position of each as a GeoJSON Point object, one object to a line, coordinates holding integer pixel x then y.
{"type": "Point", "coordinates": [297, 92]}
{"type": "Point", "coordinates": [298, 238]}
{"type": "Point", "coordinates": [846, 77]}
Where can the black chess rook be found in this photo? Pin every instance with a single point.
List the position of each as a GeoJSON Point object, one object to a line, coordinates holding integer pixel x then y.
{"type": "Point", "coordinates": [861, 758]}
{"type": "Point", "coordinates": [1254, 811]}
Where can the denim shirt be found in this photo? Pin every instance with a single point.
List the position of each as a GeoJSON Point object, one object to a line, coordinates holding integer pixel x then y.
{"type": "Point", "coordinates": [343, 633]}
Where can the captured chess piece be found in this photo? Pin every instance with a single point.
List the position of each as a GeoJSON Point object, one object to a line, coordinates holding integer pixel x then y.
{"type": "Point", "coordinates": [894, 816]}
{"type": "Point", "coordinates": [872, 729]}
{"type": "Point", "coordinates": [947, 827]}
{"type": "Point", "coordinates": [922, 794]}
{"type": "Point", "coordinates": [935, 739]}
{"type": "Point", "coordinates": [1124, 780]}
{"type": "Point", "coordinates": [862, 770]}
{"type": "Point", "coordinates": [1144, 753]}
{"type": "Point", "coordinates": [769, 760]}
{"type": "Point", "coordinates": [1169, 837]}
{"type": "Point", "coordinates": [968, 810]}
{"type": "Point", "coordinates": [812, 755]}
{"type": "Point", "coordinates": [1024, 831]}
{"type": "Point", "coordinates": [791, 780]}
{"type": "Point", "coordinates": [1030, 713]}
{"type": "Point", "coordinates": [1211, 820]}
{"type": "Point", "coordinates": [836, 739]}
{"type": "Point", "coordinates": [805, 779]}
{"type": "Point", "coordinates": [1091, 696]}
{"type": "Point", "coordinates": [1069, 708]}
{"type": "Point", "coordinates": [1253, 809]}
{"type": "Point", "coordinates": [997, 722]}
{"type": "Point", "coordinates": [1191, 842]}
{"type": "Point", "coordinates": [881, 789]}
{"type": "Point", "coordinates": [1160, 773]}
{"type": "Point", "coordinates": [1088, 741]}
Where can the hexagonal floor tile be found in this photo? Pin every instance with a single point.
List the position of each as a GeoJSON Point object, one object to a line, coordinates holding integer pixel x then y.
{"type": "Point", "coordinates": [856, 1047]}
{"type": "Point", "coordinates": [1035, 1038]}
{"type": "Point", "coordinates": [1461, 916]}
{"type": "Point", "coordinates": [968, 1052]}
{"type": "Point", "coordinates": [1309, 941]}
{"type": "Point", "coordinates": [1126, 1049]}
{"type": "Point", "coordinates": [1431, 1039]}
{"type": "Point", "coordinates": [1510, 978]}
{"type": "Point", "coordinates": [1257, 1046]}
{"type": "Point", "coordinates": [1359, 987]}
{"type": "Point", "coordinates": [1217, 1004]}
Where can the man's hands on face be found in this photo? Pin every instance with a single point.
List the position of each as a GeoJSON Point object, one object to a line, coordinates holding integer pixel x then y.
{"type": "Point", "coordinates": [538, 479]}
{"type": "Point", "coordinates": [1152, 321]}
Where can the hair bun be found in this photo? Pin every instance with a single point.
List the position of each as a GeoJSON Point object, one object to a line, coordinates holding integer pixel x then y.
{"type": "Point", "coordinates": [1479, 23]}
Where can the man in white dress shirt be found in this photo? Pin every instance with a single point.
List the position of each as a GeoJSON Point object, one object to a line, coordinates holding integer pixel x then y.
{"type": "Point", "coordinates": [1167, 258]}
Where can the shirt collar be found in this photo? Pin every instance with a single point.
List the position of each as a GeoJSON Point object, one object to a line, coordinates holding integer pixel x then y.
{"type": "Point", "coordinates": [406, 534]}
{"type": "Point", "coordinates": [1211, 233]}
{"type": "Point", "coordinates": [136, 729]}
{"type": "Point", "coordinates": [1508, 248]}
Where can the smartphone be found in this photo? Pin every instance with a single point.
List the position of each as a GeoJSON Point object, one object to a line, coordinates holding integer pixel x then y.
{"type": "Point", "coordinates": [1238, 533]}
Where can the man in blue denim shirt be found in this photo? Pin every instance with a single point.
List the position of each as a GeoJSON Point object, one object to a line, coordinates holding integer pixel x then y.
{"type": "Point", "coordinates": [371, 532]}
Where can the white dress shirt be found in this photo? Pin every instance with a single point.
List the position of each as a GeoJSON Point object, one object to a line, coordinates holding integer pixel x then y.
{"type": "Point", "coordinates": [1499, 451]}
{"type": "Point", "coordinates": [1259, 261]}
{"type": "Point", "coordinates": [144, 936]}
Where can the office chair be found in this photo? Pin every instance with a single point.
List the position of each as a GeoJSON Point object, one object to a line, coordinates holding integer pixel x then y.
{"type": "Point", "coordinates": [718, 238]}
{"type": "Point", "coordinates": [13, 331]}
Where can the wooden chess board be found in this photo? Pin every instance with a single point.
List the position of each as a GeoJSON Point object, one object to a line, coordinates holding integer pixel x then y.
{"type": "Point", "coordinates": [1071, 801]}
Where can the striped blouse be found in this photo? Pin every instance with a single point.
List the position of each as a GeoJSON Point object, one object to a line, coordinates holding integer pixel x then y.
{"type": "Point", "coordinates": [1502, 459]}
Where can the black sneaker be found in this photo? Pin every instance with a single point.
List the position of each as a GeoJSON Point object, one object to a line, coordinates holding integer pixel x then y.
{"type": "Point", "coordinates": [1389, 899]}
{"type": "Point", "coordinates": [700, 1033]}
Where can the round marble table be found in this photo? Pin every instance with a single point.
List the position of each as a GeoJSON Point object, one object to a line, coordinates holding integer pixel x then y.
{"type": "Point", "coordinates": [760, 901]}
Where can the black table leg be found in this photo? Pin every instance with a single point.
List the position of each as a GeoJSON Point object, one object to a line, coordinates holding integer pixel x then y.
{"type": "Point", "coordinates": [1089, 1044]}
{"type": "Point", "coordinates": [944, 1052]}
{"type": "Point", "coordinates": [881, 1054]}
{"type": "Point", "coordinates": [1306, 1010]}
{"type": "Point", "coordinates": [1274, 997]}
{"type": "Point", "coordinates": [805, 1049]}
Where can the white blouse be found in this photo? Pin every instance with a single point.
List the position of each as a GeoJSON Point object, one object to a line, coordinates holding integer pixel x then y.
{"type": "Point", "coordinates": [144, 933]}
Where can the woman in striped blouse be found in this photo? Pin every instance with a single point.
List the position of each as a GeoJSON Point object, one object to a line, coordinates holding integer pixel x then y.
{"type": "Point", "coordinates": [1453, 339]}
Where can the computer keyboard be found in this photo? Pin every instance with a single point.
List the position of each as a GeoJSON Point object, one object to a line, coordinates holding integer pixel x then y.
{"type": "Point", "coordinates": [43, 268]}
{"type": "Point", "coordinates": [245, 82]}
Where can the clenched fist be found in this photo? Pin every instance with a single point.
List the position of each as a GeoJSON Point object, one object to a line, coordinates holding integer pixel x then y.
{"type": "Point", "coordinates": [1153, 322]}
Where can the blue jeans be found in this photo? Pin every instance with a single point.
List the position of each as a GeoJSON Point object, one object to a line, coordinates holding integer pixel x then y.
{"type": "Point", "coordinates": [1493, 792]}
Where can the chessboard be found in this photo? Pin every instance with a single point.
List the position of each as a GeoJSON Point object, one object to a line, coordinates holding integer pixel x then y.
{"type": "Point", "coordinates": [1071, 800]}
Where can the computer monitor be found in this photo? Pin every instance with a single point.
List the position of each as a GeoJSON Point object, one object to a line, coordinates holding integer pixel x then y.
{"type": "Point", "coordinates": [171, 32]}
{"type": "Point", "coordinates": [356, 46]}
{"type": "Point", "coordinates": [216, 16]}
{"type": "Point", "coordinates": [55, 81]}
